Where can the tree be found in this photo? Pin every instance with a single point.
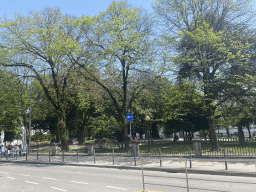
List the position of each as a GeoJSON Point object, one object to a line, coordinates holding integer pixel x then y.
{"type": "Point", "coordinates": [121, 37]}
{"type": "Point", "coordinates": [12, 90]}
{"type": "Point", "coordinates": [44, 42]}
{"type": "Point", "coordinates": [184, 109]}
{"type": "Point", "coordinates": [209, 42]}
{"type": "Point", "coordinates": [150, 103]}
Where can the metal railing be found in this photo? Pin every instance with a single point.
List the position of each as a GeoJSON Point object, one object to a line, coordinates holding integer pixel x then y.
{"type": "Point", "coordinates": [186, 178]}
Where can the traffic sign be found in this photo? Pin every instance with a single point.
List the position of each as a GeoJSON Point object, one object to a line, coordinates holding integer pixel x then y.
{"type": "Point", "coordinates": [129, 116]}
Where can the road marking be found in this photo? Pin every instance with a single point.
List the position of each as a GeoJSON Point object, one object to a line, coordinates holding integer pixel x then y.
{"type": "Point", "coordinates": [116, 188]}
{"type": "Point", "coordinates": [2, 172]}
{"type": "Point", "coordinates": [31, 182]}
{"type": "Point", "coordinates": [78, 182]}
{"type": "Point", "coordinates": [50, 178]}
{"type": "Point", "coordinates": [24, 175]}
{"type": "Point", "coordinates": [10, 177]}
{"type": "Point", "coordinates": [58, 189]}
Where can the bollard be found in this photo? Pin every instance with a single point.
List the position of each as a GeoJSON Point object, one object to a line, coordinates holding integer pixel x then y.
{"type": "Point", "coordinates": [94, 155]}
{"type": "Point", "coordinates": [160, 157]}
{"type": "Point", "coordinates": [16, 154]}
{"type": "Point", "coordinates": [143, 184]}
{"type": "Point", "coordinates": [186, 175]}
{"type": "Point", "coordinates": [63, 155]}
{"type": "Point", "coordinates": [226, 164]}
{"type": "Point", "coordinates": [26, 155]}
{"type": "Point", "coordinates": [190, 156]}
{"type": "Point", "coordinates": [77, 155]}
{"type": "Point", "coordinates": [49, 155]}
{"type": "Point", "coordinates": [37, 154]}
{"type": "Point", "coordinates": [113, 150]}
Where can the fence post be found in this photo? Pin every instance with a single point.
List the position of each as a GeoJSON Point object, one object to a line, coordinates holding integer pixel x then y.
{"type": "Point", "coordinates": [113, 152]}
{"type": "Point", "coordinates": [37, 154]}
{"type": "Point", "coordinates": [49, 155]}
{"type": "Point", "coordinates": [63, 155]}
{"type": "Point", "coordinates": [143, 184]}
{"type": "Point", "coordinates": [186, 175]}
{"type": "Point", "coordinates": [160, 157]}
{"type": "Point", "coordinates": [77, 155]}
{"type": "Point", "coordinates": [190, 156]}
{"type": "Point", "coordinates": [94, 155]}
{"type": "Point", "coordinates": [134, 147]}
{"type": "Point", "coordinates": [226, 164]}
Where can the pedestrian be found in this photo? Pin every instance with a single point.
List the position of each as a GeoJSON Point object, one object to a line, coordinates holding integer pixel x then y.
{"type": "Point", "coordinates": [2, 151]}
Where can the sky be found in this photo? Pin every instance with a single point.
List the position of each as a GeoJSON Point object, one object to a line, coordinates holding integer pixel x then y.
{"type": "Point", "coordinates": [71, 7]}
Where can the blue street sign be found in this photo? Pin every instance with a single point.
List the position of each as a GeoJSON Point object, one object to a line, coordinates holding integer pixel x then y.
{"type": "Point", "coordinates": [129, 116]}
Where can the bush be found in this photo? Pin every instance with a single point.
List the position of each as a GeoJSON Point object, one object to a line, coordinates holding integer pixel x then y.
{"type": "Point", "coordinates": [38, 136]}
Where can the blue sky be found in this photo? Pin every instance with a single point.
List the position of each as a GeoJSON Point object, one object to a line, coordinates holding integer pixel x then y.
{"type": "Point", "coordinates": [70, 7]}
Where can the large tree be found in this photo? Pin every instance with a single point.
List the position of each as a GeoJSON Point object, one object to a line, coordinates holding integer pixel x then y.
{"type": "Point", "coordinates": [44, 42]}
{"type": "Point", "coordinates": [210, 38]}
{"type": "Point", "coordinates": [13, 103]}
{"type": "Point", "coordinates": [121, 37]}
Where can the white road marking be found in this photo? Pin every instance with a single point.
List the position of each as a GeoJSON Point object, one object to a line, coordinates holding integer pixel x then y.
{"type": "Point", "coordinates": [10, 177]}
{"type": "Point", "coordinates": [31, 182]}
{"type": "Point", "coordinates": [116, 188]}
{"type": "Point", "coordinates": [50, 178]}
{"type": "Point", "coordinates": [58, 189]}
{"type": "Point", "coordinates": [2, 172]}
{"type": "Point", "coordinates": [24, 175]}
{"type": "Point", "coordinates": [78, 182]}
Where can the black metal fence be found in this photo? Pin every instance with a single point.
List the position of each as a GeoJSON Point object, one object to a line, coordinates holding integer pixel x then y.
{"type": "Point", "coordinates": [168, 148]}
{"type": "Point", "coordinates": [184, 148]}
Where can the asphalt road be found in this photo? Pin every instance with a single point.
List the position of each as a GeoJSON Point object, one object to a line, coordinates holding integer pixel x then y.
{"type": "Point", "coordinates": [55, 178]}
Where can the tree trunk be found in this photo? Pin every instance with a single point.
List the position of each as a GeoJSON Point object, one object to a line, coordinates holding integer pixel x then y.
{"type": "Point", "coordinates": [62, 131]}
{"type": "Point", "coordinates": [80, 135]}
{"type": "Point", "coordinates": [125, 134]}
{"type": "Point", "coordinates": [212, 133]}
{"type": "Point", "coordinates": [241, 134]}
{"type": "Point", "coordinates": [249, 131]}
{"type": "Point", "coordinates": [81, 132]}
{"type": "Point", "coordinates": [228, 133]}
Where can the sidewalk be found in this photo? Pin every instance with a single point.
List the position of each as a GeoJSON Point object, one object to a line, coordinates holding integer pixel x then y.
{"type": "Point", "coordinates": [236, 167]}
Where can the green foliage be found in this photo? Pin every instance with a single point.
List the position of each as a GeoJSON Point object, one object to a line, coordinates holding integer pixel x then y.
{"type": "Point", "coordinates": [12, 102]}
{"type": "Point", "coordinates": [181, 100]}
{"type": "Point", "coordinates": [38, 136]}
{"type": "Point", "coordinates": [105, 127]}
{"type": "Point", "coordinates": [184, 109]}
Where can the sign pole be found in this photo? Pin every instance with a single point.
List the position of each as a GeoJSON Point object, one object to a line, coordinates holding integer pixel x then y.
{"type": "Point", "coordinates": [130, 128]}
{"type": "Point", "coordinates": [129, 117]}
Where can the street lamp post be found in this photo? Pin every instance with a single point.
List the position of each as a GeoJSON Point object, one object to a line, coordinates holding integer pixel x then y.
{"type": "Point", "coordinates": [29, 142]}
{"type": "Point", "coordinates": [147, 118]}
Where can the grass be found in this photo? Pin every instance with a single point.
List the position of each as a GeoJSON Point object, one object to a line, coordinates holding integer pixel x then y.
{"type": "Point", "coordinates": [170, 147]}
{"type": "Point", "coordinates": [184, 148]}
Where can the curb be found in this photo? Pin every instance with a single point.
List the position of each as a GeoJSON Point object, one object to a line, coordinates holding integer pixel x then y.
{"type": "Point", "coordinates": [168, 170]}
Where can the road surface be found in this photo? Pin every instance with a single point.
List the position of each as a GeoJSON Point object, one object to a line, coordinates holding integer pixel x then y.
{"type": "Point", "coordinates": [55, 178]}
